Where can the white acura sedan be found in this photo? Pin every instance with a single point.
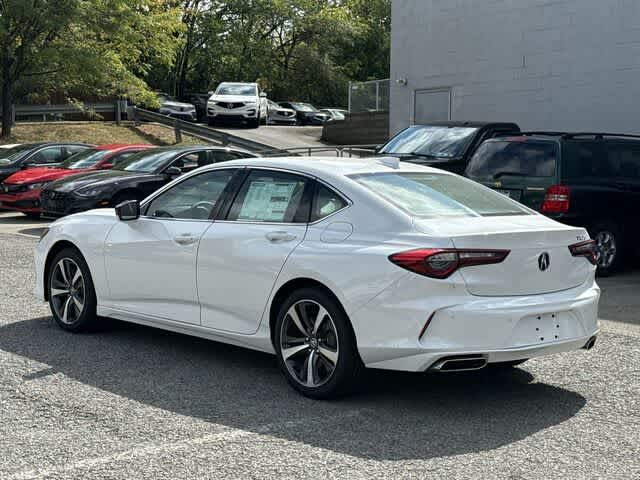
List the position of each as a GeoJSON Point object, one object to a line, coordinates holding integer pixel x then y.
{"type": "Point", "coordinates": [333, 265]}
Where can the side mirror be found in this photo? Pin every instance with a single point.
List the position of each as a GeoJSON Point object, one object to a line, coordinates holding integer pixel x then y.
{"type": "Point", "coordinates": [107, 166]}
{"type": "Point", "coordinates": [129, 210]}
{"type": "Point", "coordinates": [173, 171]}
{"type": "Point", "coordinates": [378, 148]}
{"type": "Point", "coordinates": [263, 94]}
{"type": "Point", "coordinates": [210, 92]}
{"type": "Point", "coordinates": [27, 164]}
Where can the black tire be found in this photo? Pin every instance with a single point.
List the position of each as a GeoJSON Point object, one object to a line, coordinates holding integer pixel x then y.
{"type": "Point", "coordinates": [211, 121]}
{"type": "Point", "coordinates": [125, 196]}
{"type": "Point", "coordinates": [610, 245]}
{"type": "Point", "coordinates": [348, 366]}
{"type": "Point", "coordinates": [77, 319]}
{"type": "Point", "coordinates": [506, 365]}
{"type": "Point", "coordinates": [254, 122]}
{"type": "Point", "coordinates": [32, 216]}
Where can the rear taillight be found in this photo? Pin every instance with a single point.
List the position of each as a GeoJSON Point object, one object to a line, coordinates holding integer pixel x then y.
{"type": "Point", "coordinates": [586, 249]}
{"type": "Point", "coordinates": [556, 199]}
{"type": "Point", "coordinates": [442, 262]}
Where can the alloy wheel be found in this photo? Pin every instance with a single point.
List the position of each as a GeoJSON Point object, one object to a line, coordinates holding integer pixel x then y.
{"type": "Point", "coordinates": [309, 343]}
{"type": "Point", "coordinates": [67, 291]}
{"type": "Point", "coordinates": [605, 248]}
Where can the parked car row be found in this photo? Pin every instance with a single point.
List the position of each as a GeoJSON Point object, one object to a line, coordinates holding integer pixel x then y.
{"type": "Point", "coordinates": [96, 177]}
{"type": "Point", "coordinates": [590, 180]}
{"type": "Point", "coordinates": [237, 102]}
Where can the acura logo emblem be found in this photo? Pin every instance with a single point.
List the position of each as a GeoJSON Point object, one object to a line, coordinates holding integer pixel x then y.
{"type": "Point", "coordinates": [543, 261]}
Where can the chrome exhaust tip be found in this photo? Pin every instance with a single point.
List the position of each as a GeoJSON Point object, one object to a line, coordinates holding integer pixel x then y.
{"type": "Point", "coordinates": [590, 343]}
{"type": "Point", "coordinates": [460, 363]}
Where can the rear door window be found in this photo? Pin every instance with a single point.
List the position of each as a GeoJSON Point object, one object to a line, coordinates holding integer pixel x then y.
{"type": "Point", "coordinates": [48, 155]}
{"type": "Point", "coordinates": [503, 158]}
{"type": "Point", "coordinates": [623, 160]}
{"type": "Point", "coordinates": [272, 197]}
{"type": "Point", "coordinates": [584, 159]}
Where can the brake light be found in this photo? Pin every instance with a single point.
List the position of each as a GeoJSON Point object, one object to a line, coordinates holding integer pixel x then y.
{"type": "Point", "coordinates": [586, 249]}
{"type": "Point", "coordinates": [442, 262]}
{"type": "Point", "coordinates": [556, 199]}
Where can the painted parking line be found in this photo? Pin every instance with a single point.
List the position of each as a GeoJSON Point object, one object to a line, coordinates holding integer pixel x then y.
{"type": "Point", "coordinates": [154, 449]}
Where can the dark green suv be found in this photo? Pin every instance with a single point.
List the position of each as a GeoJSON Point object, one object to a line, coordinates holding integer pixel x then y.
{"type": "Point", "coordinates": [582, 179]}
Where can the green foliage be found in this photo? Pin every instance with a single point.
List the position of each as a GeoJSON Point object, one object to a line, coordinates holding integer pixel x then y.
{"type": "Point", "coordinates": [297, 49]}
{"type": "Point", "coordinates": [84, 48]}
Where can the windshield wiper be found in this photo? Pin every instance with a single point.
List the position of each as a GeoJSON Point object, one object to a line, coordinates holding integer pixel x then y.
{"type": "Point", "coordinates": [513, 174]}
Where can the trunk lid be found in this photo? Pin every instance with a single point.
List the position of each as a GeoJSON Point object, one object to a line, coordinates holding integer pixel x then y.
{"type": "Point", "coordinates": [529, 238]}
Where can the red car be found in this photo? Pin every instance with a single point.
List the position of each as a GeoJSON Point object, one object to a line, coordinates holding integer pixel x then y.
{"type": "Point", "coordinates": [20, 192]}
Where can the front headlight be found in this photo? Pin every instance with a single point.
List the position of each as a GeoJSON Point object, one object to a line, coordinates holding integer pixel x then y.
{"type": "Point", "coordinates": [35, 186]}
{"type": "Point", "coordinates": [90, 191]}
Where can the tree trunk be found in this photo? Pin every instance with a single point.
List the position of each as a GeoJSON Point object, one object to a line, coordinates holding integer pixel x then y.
{"type": "Point", "coordinates": [7, 98]}
{"type": "Point", "coordinates": [7, 101]}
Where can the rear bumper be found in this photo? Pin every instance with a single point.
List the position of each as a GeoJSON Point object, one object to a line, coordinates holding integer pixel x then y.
{"type": "Point", "coordinates": [26, 202]}
{"type": "Point", "coordinates": [498, 328]}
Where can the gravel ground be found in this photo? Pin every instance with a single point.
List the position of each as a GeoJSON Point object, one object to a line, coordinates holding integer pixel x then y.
{"type": "Point", "coordinates": [135, 402]}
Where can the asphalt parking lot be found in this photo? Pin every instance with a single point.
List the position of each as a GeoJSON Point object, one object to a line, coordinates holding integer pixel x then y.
{"type": "Point", "coordinates": [136, 402]}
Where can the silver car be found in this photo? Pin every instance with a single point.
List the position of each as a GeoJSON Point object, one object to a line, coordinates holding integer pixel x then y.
{"type": "Point", "coordinates": [171, 107]}
{"type": "Point", "coordinates": [279, 114]}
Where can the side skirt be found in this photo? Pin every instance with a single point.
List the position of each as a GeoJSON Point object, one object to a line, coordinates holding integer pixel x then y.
{"type": "Point", "coordinates": [253, 342]}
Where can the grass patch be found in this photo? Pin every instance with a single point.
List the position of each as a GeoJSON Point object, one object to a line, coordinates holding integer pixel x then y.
{"type": "Point", "coordinates": [97, 133]}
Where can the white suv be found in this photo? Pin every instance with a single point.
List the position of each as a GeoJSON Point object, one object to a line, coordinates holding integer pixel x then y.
{"type": "Point", "coordinates": [239, 102]}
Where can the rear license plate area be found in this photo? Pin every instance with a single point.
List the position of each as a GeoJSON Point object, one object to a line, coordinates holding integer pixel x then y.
{"type": "Point", "coordinates": [543, 328]}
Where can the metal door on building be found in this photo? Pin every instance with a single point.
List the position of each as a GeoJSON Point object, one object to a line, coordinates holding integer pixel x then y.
{"type": "Point", "coordinates": [431, 105]}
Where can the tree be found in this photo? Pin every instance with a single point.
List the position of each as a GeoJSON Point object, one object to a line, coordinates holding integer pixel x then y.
{"type": "Point", "coordinates": [81, 47]}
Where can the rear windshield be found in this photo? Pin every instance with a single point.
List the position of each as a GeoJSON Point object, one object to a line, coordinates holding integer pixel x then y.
{"type": "Point", "coordinates": [436, 195]}
{"type": "Point", "coordinates": [431, 141]}
{"type": "Point", "coordinates": [497, 159]}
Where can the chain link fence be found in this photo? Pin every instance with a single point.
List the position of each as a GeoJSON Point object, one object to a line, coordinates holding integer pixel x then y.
{"type": "Point", "coordinates": [371, 96]}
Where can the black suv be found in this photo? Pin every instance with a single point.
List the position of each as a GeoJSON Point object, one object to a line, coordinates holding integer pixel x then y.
{"type": "Point", "coordinates": [446, 145]}
{"type": "Point", "coordinates": [582, 179]}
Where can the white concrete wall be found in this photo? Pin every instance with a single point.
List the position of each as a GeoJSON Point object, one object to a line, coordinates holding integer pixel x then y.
{"type": "Point", "coordinates": [546, 64]}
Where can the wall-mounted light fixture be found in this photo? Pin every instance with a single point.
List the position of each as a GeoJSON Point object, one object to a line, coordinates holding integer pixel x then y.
{"type": "Point", "coordinates": [401, 81]}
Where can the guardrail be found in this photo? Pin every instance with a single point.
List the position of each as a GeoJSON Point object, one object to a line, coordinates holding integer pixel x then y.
{"type": "Point", "coordinates": [340, 150]}
{"type": "Point", "coordinates": [207, 134]}
{"type": "Point", "coordinates": [117, 108]}
{"type": "Point", "coordinates": [212, 135]}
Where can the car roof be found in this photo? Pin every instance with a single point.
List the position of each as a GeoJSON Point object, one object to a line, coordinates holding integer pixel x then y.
{"type": "Point", "coordinates": [466, 123]}
{"type": "Point", "coordinates": [46, 144]}
{"type": "Point", "coordinates": [122, 146]}
{"type": "Point", "coordinates": [331, 167]}
{"type": "Point", "coordinates": [237, 83]}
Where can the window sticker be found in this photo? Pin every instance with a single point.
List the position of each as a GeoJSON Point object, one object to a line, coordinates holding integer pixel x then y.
{"type": "Point", "coordinates": [267, 201]}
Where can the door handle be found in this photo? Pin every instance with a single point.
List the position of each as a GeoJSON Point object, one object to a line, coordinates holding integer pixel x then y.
{"type": "Point", "coordinates": [280, 236]}
{"type": "Point", "coordinates": [185, 239]}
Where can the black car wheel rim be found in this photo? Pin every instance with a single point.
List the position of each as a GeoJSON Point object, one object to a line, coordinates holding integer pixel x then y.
{"type": "Point", "coordinates": [606, 248]}
{"type": "Point", "coordinates": [309, 343]}
{"type": "Point", "coordinates": [67, 291]}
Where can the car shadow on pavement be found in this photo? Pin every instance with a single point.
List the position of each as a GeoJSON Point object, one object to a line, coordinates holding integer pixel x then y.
{"type": "Point", "coordinates": [395, 416]}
